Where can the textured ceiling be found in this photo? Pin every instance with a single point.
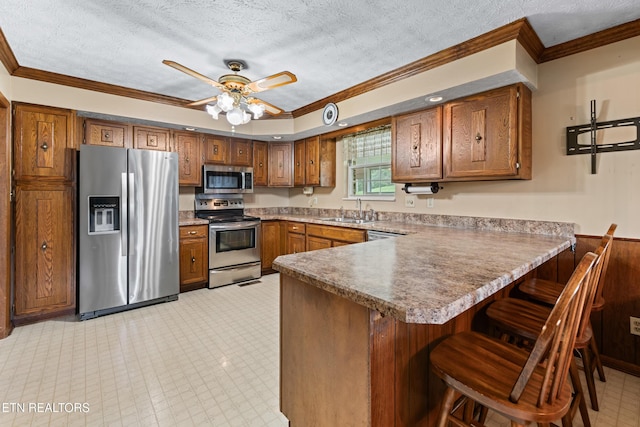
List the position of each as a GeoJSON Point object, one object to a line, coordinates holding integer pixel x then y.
{"type": "Point", "coordinates": [330, 45]}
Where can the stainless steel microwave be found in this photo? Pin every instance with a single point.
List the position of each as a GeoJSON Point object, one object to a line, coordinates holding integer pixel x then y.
{"type": "Point", "coordinates": [219, 179]}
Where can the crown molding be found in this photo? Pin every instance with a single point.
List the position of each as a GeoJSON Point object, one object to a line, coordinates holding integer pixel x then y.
{"type": "Point", "coordinates": [592, 41]}
{"type": "Point", "coordinates": [519, 30]}
{"type": "Point", "coordinates": [7, 57]}
{"type": "Point", "coordinates": [61, 79]}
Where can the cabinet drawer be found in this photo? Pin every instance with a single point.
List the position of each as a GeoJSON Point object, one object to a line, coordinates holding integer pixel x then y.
{"type": "Point", "coordinates": [296, 227]}
{"type": "Point", "coordinates": [336, 233]}
{"type": "Point", "coordinates": [193, 231]}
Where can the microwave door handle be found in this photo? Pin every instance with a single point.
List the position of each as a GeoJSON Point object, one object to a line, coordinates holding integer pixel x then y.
{"type": "Point", "coordinates": [124, 232]}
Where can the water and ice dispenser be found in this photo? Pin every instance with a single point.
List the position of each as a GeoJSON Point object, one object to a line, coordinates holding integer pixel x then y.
{"type": "Point", "coordinates": [104, 214]}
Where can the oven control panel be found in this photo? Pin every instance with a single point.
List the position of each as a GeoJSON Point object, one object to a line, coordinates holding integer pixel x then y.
{"type": "Point", "coordinates": [211, 204]}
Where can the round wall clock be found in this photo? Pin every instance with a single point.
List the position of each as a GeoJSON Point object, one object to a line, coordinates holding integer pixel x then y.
{"type": "Point", "coordinates": [330, 114]}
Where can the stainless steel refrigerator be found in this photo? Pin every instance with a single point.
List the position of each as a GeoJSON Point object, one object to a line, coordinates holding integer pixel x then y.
{"type": "Point", "coordinates": [128, 253]}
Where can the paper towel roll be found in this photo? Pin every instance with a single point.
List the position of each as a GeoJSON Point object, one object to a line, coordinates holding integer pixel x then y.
{"type": "Point", "coordinates": [421, 189]}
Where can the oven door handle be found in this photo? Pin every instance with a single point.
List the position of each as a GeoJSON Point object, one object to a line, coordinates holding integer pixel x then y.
{"type": "Point", "coordinates": [234, 225]}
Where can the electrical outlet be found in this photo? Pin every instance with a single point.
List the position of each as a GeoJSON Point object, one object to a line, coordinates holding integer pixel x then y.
{"type": "Point", "coordinates": [635, 325]}
{"type": "Point", "coordinates": [410, 200]}
{"type": "Point", "coordinates": [430, 202]}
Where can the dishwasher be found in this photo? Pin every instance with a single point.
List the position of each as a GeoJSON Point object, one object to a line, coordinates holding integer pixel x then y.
{"type": "Point", "coordinates": [377, 235]}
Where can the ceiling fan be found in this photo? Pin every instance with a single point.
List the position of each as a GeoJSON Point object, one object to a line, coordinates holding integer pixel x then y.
{"type": "Point", "coordinates": [236, 99]}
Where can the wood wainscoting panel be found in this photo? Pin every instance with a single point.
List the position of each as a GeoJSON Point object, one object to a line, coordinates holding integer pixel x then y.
{"type": "Point", "coordinates": [618, 348]}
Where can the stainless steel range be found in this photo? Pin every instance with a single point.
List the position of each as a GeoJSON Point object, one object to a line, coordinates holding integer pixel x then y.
{"type": "Point", "coordinates": [234, 239]}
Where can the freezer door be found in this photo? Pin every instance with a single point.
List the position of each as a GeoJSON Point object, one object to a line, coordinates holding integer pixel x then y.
{"type": "Point", "coordinates": [154, 269]}
{"type": "Point", "coordinates": [102, 233]}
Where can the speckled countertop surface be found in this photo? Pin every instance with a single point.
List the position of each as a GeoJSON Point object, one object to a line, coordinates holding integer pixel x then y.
{"type": "Point", "coordinates": [188, 218]}
{"type": "Point", "coordinates": [432, 274]}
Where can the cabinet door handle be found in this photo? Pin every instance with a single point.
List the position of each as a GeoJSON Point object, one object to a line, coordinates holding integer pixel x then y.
{"type": "Point", "coordinates": [478, 137]}
{"type": "Point", "coordinates": [44, 146]}
{"type": "Point", "coordinates": [240, 151]}
{"type": "Point", "coordinates": [193, 232]}
{"type": "Point", "coordinates": [260, 164]}
{"type": "Point", "coordinates": [193, 259]}
{"type": "Point", "coordinates": [310, 162]}
{"type": "Point", "coordinates": [44, 246]}
{"type": "Point", "coordinates": [295, 228]}
{"type": "Point", "coordinates": [215, 150]}
{"type": "Point", "coordinates": [186, 159]}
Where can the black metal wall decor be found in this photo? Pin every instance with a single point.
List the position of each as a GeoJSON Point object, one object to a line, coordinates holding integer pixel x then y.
{"type": "Point", "coordinates": [573, 147]}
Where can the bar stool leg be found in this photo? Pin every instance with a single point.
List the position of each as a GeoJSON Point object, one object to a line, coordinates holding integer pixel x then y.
{"type": "Point", "coordinates": [596, 357]}
{"type": "Point", "coordinates": [587, 361]}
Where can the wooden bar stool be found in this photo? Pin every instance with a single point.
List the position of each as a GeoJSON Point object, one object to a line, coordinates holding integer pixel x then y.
{"type": "Point", "coordinates": [523, 386]}
{"type": "Point", "coordinates": [547, 292]}
{"type": "Point", "coordinates": [523, 320]}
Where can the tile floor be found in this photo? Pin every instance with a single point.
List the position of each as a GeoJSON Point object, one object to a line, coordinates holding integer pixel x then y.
{"type": "Point", "coordinates": [208, 359]}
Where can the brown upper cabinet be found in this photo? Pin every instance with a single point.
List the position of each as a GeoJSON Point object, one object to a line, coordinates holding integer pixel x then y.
{"type": "Point", "coordinates": [315, 162]}
{"type": "Point", "coordinates": [241, 152]}
{"type": "Point", "coordinates": [189, 145]}
{"type": "Point", "coordinates": [228, 151]}
{"type": "Point", "coordinates": [216, 149]}
{"type": "Point", "coordinates": [151, 138]}
{"type": "Point", "coordinates": [109, 134]}
{"type": "Point", "coordinates": [416, 146]}
{"type": "Point", "coordinates": [299, 162]}
{"type": "Point", "coordinates": [43, 143]}
{"type": "Point", "coordinates": [488, 136]}
{"type": "Point", "coordinates": [481, 137]}
{"type": "Point", "coordinates": [281, 164]}
{"type": "Point", "coordinates": [260, 164]}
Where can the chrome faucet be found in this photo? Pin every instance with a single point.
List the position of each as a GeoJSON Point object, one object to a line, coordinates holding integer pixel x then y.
{"type": "Point", "coordinates": [342, 212]}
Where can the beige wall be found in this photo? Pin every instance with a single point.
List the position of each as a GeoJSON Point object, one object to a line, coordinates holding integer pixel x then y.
{"type": "Point", "coordinates": [562, 188]}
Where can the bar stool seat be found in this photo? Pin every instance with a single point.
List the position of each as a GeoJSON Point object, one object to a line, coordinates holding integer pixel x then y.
{"type": "Point", "coordinates": [525, 386]}
{"type": "Point", "coordinates": [547, 292]}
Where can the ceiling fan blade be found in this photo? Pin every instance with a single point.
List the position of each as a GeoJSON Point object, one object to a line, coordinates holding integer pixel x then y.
{"type": "Point", "coordinates": [202, 101]}
{"type": "Point", "coordinates": [276, 80]}
{"type": "Point", "coordinates": [269, 108]}
{"type": "Point", "coordinates": [192, 73]}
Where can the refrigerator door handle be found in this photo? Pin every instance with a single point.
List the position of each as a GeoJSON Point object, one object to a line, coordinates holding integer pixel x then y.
{"type": "Point", "coordinates": [131, 200]}
{"type": "Point", "coordinates": [124, 233]}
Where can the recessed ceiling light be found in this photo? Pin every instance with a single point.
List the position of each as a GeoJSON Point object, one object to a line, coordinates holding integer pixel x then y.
{"type": "Point", "coordinates": [190, 129]}
{"type": "Point", "coordinates": [277, 137]}
{"type": "Point", "coordinates": [434, 99]}
{"type": "Point", "coordinates": [343, 124]}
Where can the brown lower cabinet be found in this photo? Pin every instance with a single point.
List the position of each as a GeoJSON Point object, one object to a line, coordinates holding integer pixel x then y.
{"type": "Point", "coordinates": [271, 245]}
{"type": "Point", "coordinates": [45, 260]}
{"type": "Point", "coordinates": [296, 238]}
{"type": "Point", "coordinates": [301, 237]}
{"type": "Point", "coordinates": [194, 257]}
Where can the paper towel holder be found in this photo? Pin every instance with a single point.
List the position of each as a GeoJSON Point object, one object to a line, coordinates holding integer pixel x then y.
{"type": "Point", "coordinates": [421, 189]}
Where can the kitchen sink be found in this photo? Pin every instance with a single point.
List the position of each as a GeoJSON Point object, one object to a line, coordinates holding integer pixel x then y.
{"type": "Point", "coordinates": [347, 220]}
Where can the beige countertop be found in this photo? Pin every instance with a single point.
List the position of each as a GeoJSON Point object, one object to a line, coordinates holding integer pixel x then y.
{"type": "Point", "coordinates": [435, 272]}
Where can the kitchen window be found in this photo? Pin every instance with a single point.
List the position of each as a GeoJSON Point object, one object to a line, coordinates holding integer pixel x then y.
{"type": "Point", "coordinates": [368, 164]}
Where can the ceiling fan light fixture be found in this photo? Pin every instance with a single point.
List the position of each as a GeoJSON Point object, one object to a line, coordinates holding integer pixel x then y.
{"type": "Point", "coordinates": [257, 110]}
{"type": "Point", "coordinates": [214, 110]}
{"type": "Point", "coordinates": [225, 102]}
{"type": "Point", "coordinates": [235, 116]}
